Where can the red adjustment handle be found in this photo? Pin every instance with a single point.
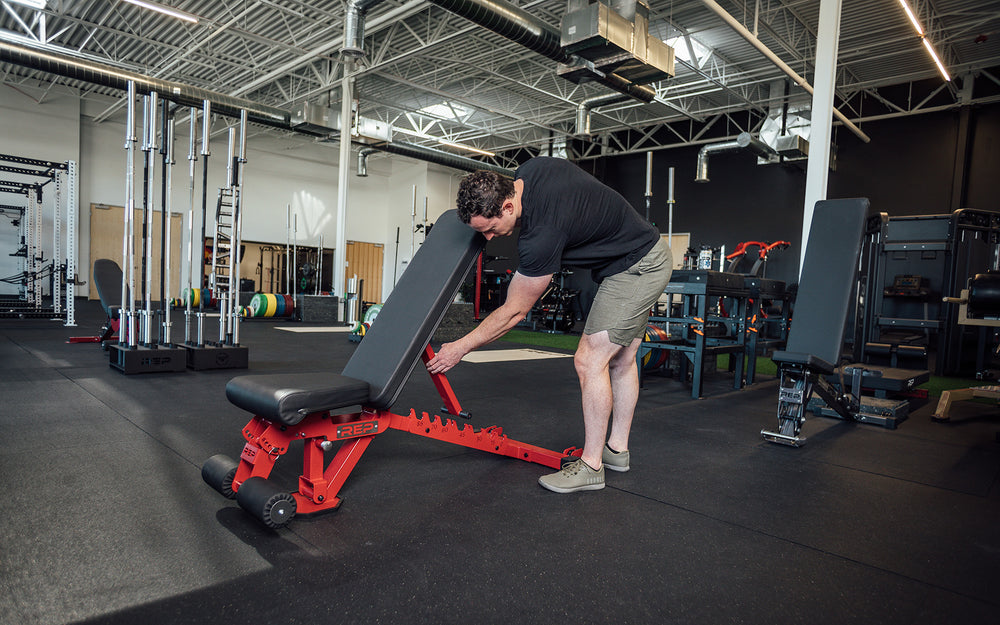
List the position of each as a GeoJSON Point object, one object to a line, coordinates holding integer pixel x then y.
{"type": "Point", "coordinates": [443, 386]}
{"type": "Point", "coordinates": [777, 244]}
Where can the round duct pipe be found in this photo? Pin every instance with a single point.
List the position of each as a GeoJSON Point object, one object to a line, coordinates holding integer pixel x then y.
{"type": "Point", "coordinates": [439, 157]}
{"type": "Point", "coordinates": [584, 108]}
{"type": "Point", "coordinates": [511, 22]}
{"type": "Point", "coordinates": [744, 140]}
{"type": "Point", "coordinates": [363, 154]}
{"type": "Point", "coordinates": [184, 95]}
{"type": "Point", "coordinates": [354, 26]}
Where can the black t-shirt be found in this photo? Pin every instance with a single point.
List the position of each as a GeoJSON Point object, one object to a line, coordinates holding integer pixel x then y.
{"type": "Point", "coordinates": [569, 218]}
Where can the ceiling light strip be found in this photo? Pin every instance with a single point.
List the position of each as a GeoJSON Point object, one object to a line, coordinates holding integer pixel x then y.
{"type": "Point", "coordinates": [924, 39]}
{"type": "Point", "coordinates": [34, 4]}
{"type": "Point", "coordinates": [159, 8]}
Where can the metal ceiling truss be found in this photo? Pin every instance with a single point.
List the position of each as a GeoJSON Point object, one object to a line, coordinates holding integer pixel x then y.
{"type": "Point", "coordinates": [283, 53]}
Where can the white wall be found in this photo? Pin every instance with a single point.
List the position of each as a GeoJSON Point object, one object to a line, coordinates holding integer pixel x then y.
{"type": "Point", "coordinates": [281, 170]}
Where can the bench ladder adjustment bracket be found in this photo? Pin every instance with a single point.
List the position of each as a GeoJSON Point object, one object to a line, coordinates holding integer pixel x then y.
{"type": "Point", "coordinates": [793, 393]}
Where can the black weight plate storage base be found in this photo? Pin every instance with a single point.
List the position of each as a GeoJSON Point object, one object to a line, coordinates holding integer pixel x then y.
{"type": "Point", "coordinates": [212, 357]}
{"type": "Point", "coordinates": [147, 359]}
{"type": "Point", "coordinates": [884, 412]}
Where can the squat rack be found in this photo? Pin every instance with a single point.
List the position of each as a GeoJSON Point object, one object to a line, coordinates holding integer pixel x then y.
{"type": "Point", "coordinates": [63, 262]}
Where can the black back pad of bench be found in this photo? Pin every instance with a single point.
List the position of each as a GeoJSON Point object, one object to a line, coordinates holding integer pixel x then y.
{"type": "Point", "coordinates": [828, 275]}
{"type": "Point", "coordinates": [108, 281]}
{"type": "Point", "coordinates": [393, 345]}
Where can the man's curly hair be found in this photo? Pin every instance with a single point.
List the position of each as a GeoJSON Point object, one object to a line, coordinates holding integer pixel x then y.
{"type": "Point", "coordinates": [482, 193]}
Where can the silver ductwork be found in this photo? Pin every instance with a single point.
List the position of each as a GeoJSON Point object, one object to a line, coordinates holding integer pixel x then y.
{"type": "Point", "coordinates": [584, 108]}
{"type": "Point", "coordinates": [439, 157]}
{"type": "Point", "coordinates": [511, 22]}
{"type": "Point", "coordinates": [743, 141]}
{"type": "Point", "coordinates": [354, 26]}
{"type": "Point", "coordinates": [363, 154]}
{"type": "Point", "coordinates": [613, 36]}
{"type": "Point", "coordinates": [521, 27]}
{"type": "Point", "coordinates": [184, 95]}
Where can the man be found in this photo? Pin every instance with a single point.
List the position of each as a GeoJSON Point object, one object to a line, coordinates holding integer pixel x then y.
{"type": "Point", "coordinates": [567, 217]}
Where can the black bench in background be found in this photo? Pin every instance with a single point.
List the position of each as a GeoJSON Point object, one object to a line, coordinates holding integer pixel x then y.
{"type": "Point", "coordinates": [810, 360]}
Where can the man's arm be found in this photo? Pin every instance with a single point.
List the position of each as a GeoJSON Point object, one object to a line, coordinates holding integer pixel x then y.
{"type": "Point", "coordinates": [522, 294]}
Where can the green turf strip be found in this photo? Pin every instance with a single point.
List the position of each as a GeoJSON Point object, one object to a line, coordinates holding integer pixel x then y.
{"type": "Point", "coordinates": [765, 366]}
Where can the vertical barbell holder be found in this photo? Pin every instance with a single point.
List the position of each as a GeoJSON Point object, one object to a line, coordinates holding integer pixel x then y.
{"type": "Point", "coordinates": [167, 205]}
{"type": "Point", "coordinates": [151, 102]}
{"type": "Point", "coordinates": [126, 316]}
{"type": "Point", "coordinates": [206, 127]}
{"type": "Point", "coordinates": [234, 287]}
{"type": "Point", "coordinates": [192, 158]}
{"type": "Point", "coordinates": [161, 311]}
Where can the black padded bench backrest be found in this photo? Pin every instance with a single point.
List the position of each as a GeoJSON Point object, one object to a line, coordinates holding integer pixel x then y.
{"type": "Point", "coordinates": [828, 275]}
{"type": "Point", "coordinates": [393, 345]}
{"type": "Point", "coordinates": [108, 281]}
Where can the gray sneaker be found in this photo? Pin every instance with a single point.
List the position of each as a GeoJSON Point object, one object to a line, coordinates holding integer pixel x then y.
{"type": "Point", "coordinates": [576, 475]}
{"type": "Point", "coordinates": [615, 460]}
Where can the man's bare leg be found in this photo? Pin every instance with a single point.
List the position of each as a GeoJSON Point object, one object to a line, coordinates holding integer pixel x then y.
{"type": "Point", "coordinates": [604, 369]}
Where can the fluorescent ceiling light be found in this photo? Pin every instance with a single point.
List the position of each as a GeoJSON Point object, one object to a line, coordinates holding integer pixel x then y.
{"type": "Point", "coordinates": [460, 146]}
{"type": "Point", "coordinates": [913, 18]}
{"type": "Point", "coordinates": [937, 61]}
{"type": "Point", "coordinates": [34, 4]}
{"type": "Point", "coordinates": [924, 39]}
{"type": "Point", "coordinates": [159, 8]}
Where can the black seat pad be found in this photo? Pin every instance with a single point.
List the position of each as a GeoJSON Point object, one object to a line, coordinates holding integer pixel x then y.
{"type": "Point", "coordinates": [810, 361]}
{"type": "Point", "coordinates": [289, 397]}
{"type": "Point", "coordinates": [888, 378]}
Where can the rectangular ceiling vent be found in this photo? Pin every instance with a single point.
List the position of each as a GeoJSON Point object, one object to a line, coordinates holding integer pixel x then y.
{"type": "Point", "coordinates": [614, 37]}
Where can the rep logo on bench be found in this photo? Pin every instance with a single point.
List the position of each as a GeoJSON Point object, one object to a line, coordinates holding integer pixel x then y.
{"type": "Point", "coordinates": [353, 430]}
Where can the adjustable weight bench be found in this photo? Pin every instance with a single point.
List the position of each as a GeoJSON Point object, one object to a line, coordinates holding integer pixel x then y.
{"type": "Point", "coordinates": [311, 407]}
{"type": "Point", "coordinates": [817, 329]}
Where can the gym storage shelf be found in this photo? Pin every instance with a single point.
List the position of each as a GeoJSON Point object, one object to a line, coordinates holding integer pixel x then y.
{"type": "Point", "coordinates": [702, 291]}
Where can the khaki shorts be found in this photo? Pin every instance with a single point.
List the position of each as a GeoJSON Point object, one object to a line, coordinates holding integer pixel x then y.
{"type": "Point", "coordinates": [623, 300]}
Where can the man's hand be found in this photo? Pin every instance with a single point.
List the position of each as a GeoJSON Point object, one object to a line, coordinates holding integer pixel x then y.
{"type": "Point", "coordinates": [447, 357]}
{"type": "Point", "coordinates": [522, 293]}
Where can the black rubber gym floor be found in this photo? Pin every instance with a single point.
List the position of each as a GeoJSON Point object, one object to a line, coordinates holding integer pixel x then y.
{"type": "Point", "coordinates": [106, 518]}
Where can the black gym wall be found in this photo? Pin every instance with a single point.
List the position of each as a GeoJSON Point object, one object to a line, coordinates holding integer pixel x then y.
{"type": "Point", "coordinates": [908, 168]}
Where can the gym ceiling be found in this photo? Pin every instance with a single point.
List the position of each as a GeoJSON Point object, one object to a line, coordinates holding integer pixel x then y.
{"type": "Point", "coordinates": [442, 81]}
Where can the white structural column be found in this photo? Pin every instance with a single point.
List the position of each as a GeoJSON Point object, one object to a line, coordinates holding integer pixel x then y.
{"type": "Point", "coordinates": [344, 171]}
{"type": "Point", "coordinates": [817, 172]}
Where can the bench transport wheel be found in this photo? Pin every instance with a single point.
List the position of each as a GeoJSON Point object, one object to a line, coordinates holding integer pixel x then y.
{"type": "Point", "coordinates": [273, 506]}
{"type": "Point", "coordinates": [218, 472]}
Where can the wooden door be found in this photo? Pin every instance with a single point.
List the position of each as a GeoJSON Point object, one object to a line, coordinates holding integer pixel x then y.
{"type": "Point", "coordinates": [106, 224]}
{"type": "Point", "coordinates": [364, 260]}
